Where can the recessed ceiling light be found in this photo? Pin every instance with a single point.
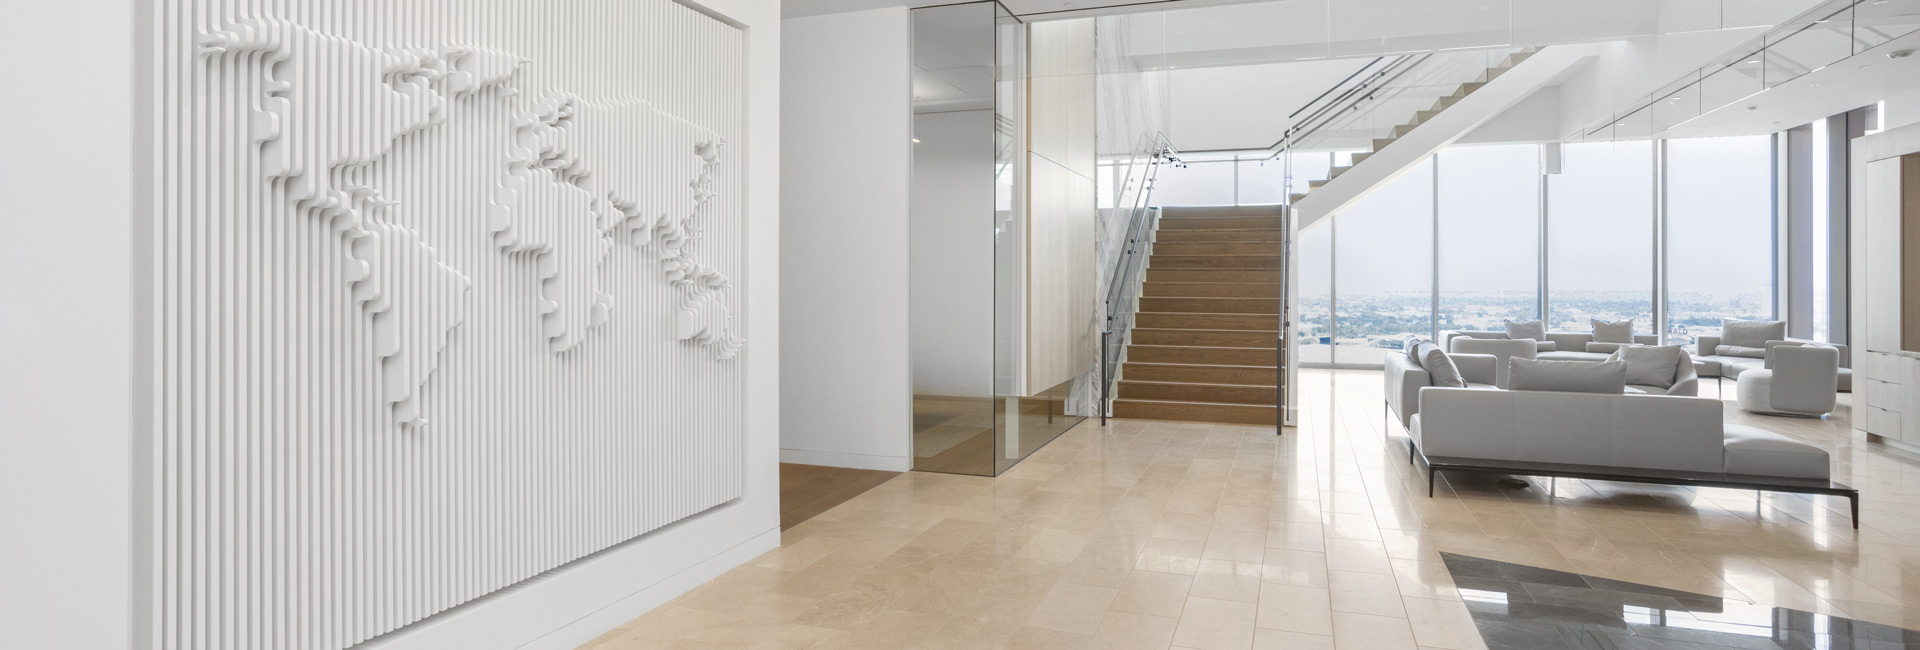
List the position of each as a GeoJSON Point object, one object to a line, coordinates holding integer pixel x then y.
{"type": "Point", "coordinates": [1753, 62]}
{"type": "Point", "coordinates": [1753, 108]}
{"type": "Point", "coordinates": [916, 140]}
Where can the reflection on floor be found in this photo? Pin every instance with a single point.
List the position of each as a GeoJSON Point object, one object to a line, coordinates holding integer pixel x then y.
{"type": "Point", "coordinates": [808, 490]}
{"type": "Point", "coordinates": [1148, 534]}
{"type": "Point", "coordinates": [955, 435]}
{"type": "Point", "coordinates": [1518, 607]}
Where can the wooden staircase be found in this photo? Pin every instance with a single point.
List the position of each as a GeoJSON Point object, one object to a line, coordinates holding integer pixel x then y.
{"type": "Point", "coordinates": [1421, 117]}
{"type": "Point", "coordinates": [1203, 339]}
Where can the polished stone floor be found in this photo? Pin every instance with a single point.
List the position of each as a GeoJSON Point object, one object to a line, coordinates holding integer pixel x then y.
{"type": "Point", "coordinates": [1518, 607]}
{"type": "Point", "coordinates": [1161, 535]}
{"type": "Point", "coordinates": [808, 490]}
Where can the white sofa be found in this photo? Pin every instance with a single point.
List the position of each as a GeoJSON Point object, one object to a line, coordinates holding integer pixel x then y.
{"type": "Point", "coordinates": [1559, 346]}
{"type": "Point", "coordinates": [1648, 438]}
{"type": "Point", "coordinates": [1730, 367]}
{"type": "Point", "coordinates": [1487, 371]}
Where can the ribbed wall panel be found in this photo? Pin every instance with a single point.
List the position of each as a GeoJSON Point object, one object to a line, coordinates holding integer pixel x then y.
{"type": "Point", "coordinates": [442, 298]}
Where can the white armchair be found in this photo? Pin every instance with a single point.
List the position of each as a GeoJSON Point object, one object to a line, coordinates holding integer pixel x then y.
{"type": "Point", "coordinates": [1797, 380]}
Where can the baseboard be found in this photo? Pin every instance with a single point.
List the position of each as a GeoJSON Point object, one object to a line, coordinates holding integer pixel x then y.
{"type": "Point", "coordinates": [850, 461]}
{"type": "Point", "coordinates": [566, 607]}
{"type": "Point", "coordinates": [593, 625]}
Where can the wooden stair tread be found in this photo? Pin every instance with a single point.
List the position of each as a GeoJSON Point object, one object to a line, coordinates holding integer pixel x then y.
{"type": "Point", "coordinates": [1197, 329]}
{"type": "Point", "coordinates": [1198, 365]}
{"type": "Point", "coordinates": [1171, 401]}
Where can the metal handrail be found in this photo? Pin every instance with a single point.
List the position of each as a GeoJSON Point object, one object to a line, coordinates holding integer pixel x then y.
{"type": "Point", "coordinates": [1126, 265]}
{"type": "Point", "coordinates": [1366, 90]}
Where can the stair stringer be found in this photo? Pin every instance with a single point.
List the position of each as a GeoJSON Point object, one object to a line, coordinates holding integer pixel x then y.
{"type": "Point", "coordinates": [1547, 67]}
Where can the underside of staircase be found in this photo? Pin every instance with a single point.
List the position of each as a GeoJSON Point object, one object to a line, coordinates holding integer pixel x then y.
{"type": "Point", "coordinates": [1203, 338]}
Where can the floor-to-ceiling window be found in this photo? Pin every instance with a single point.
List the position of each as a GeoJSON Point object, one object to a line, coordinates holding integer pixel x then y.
{"type": "Point", "coordinates": [1476, 214]}
{"type": "Point", "coordinates": [1719, 233]}
{"type": "Point", "coordinates": [1383, 265]}
{"type": "Point", "coordinates": [1314, 325]}
{"type": "Point", "coordinates": [1600, 236]}
{"type": "Point", "coordinates": [1488, 237]}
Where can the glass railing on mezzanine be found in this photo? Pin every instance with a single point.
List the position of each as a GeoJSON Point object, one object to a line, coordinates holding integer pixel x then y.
{"type": "Point", "coordinates": [1828, 33]}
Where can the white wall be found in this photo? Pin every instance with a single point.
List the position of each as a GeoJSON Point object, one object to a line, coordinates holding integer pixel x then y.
{"type": "Point", "coordinates": [76, 334]}
{"type": "Point", "coordinates": [66, 324]}
{"type": "Point", "coordinates": [952, 253]}
{"type": "Point", "coordinates": [846, 131]}
{"type": "Point", "coordinates": [1061, 221]}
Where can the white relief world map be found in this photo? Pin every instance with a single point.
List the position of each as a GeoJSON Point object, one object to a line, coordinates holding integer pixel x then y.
{"type": "Point", "coordinates": [578, 177]}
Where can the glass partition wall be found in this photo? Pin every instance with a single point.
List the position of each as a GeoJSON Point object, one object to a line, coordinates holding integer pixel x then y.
{"type": "Point", "coordinates": [967, 246]}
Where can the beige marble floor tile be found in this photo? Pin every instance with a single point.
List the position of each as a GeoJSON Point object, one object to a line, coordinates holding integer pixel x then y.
{"type": "Point", "coordinates": [1291, 608]}
{"type": "Point", "coordinates": [1028, 638]}
{"type": "Point", "coordinates": [1265, 639]}
{"type": "Point", "coordinates": [1227, 580]}
{"type": "Point", "coordinates": [1365, 632]}
{"type": "Point", "coordinates": [1209, 624]}
{"type": "Point", "coordinates": [1128, 631]}
{"type": "Point", "coordinates": [1171, 556]}
{"type": "Point", "coordinates": [1073, 608]}
{"type": "Point", "coordinates": [1153, 593]}
{"type": "Point", "coordinates": [1442, 624]}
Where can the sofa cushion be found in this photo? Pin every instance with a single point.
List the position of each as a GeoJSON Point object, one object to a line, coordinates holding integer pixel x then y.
{"type": "Point", "coordinates": [1598, 347]}
{"type": "Point", "coordinates": [1533, 329]}
{"type": "Point", "coordinates": [1741, 351]}
{"type": "Point", "coordinates": [1751, 333]}
{"type": "Point", "coordinates": [1440, 366]}
{"type": "Point", "coordinates": [1569, 355]}
{"type": "Point", "coordinates": [1545, 346]}
{"type": "Point", "coordinates": [1607, 377]}
{"type": "Point", "coordinates": [1412, 348]}
{"type": "Point", "coordinates": [1650, 365]}
{"type": "Point", "coordinates": [1612, 331]}
{"type": "Point", "coordinates": [1755, 452]}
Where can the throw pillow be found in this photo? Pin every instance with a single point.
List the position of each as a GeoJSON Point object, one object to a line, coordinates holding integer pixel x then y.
{"type": "Point", "coordinates": [1649, 365]}
{"type": "Point", "coordinates": [1606, 377]}
{"type": "Point", "coordinates": [1533, 329]}
{"type": "Point", "coordinates": [1412, 347]}
{"type": "Point", "coordinates": [1740, 351]}
{"type": "Point", "coordinates": [1440, 367]}
{"type": "Point", "coordinates": [1618, 331]}
{"type": "Point", "coordinates": [1751, 333]}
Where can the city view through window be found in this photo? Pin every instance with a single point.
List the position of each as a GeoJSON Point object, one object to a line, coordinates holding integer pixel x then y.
{"type": "Point", "coordinates": [1367, 275]}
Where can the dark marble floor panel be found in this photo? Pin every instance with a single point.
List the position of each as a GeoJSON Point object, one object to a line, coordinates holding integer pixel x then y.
{"type": "Point", "coordinates": [1519, 607]}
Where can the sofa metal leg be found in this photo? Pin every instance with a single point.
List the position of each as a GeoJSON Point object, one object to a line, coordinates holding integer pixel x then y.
{"type": "Point", "coordinates": [1430, 474]}
{"type": "Point", "coordinates": [1853, 502]}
